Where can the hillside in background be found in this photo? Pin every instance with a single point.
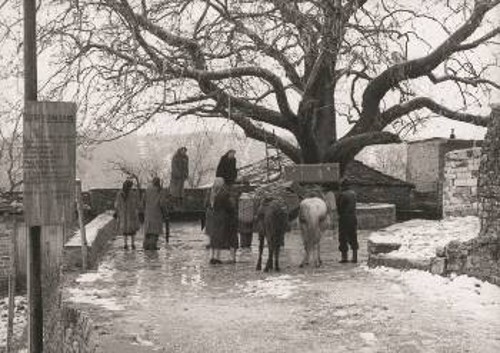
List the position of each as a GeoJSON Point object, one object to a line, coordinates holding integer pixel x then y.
{"type": "Point", "coordinates": [151, 154]}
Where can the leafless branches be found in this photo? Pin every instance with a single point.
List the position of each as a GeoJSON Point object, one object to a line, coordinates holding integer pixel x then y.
{"type": "Point", "coordinates": [256, 62]}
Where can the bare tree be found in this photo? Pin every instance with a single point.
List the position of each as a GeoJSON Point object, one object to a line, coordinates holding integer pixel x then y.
{"type": "Point", "coordinates": [294, 65]}
{"type": "Point", "coordinates": [10, 158]}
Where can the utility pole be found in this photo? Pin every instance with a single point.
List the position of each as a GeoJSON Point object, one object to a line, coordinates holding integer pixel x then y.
{"type": "Point", "coordinates": [35, 230]}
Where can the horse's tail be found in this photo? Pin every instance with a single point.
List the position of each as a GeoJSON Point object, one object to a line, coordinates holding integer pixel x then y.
{"type": "Point", "coordinates": [309, 221]}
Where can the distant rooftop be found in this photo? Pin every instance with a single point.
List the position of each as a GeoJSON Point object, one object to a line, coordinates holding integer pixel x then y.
{"type": "Point", "coordinates": [356, 172]}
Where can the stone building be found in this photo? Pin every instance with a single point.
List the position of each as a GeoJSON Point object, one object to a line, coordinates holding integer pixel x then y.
{"type": "Point", "coordinates": [425, 169]}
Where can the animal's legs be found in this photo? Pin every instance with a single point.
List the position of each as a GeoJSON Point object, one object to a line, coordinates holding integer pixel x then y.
{"type": "Point", "coordinates": [261, 249]}
{"type": "Point", "coordinates": [269, 264]}
{"type": "Point", "coordinates": [277, 259]}
{"type": "Point", "coordinates": [305, 261]}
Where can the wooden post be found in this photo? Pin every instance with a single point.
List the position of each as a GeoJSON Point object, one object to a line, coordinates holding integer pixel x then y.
{"type": "Point", "coordinates": [12, 284]}
{"type": "Point", "coordinates": [34, 242]}
{"type": "Point", "coordinates": [35, 329]}
{"type": "Point", "coordinates": [81, 220]}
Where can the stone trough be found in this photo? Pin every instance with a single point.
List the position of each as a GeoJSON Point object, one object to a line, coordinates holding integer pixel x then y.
{"type": "Point", "coordinates": [375, 215]}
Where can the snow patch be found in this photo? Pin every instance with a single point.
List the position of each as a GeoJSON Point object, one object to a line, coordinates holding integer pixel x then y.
{"type": "Point", "coordinates": [20, 318]}
{"type": "Point", "coordinates": [464, 292]}
{"type": "Point", "coordinates": [104, 274]}
{"type": "Point", "coordinates": [281, 287]}
{"type": "Point", "coordinates": [419, 238]}
{"type": "Point", "coordinates": [95, 297]}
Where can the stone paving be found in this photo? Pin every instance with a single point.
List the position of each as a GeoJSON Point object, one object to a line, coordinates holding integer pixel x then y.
{"type": "Point", "coordinates": [174, 301]}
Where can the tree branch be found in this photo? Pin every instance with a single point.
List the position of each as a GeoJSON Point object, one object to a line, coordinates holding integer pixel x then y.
{"type": "Point", "coordinates": [348, 147]}
{"type": "Point", "coordinates": [400, 110]}
{"type": "Point", "coordinates": [392, 76]}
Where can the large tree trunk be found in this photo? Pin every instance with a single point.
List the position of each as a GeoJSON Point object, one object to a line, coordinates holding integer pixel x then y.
{"type": "Point", "coordinates": [317, 116]}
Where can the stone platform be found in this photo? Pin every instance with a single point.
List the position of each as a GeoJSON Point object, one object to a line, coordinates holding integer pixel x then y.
{"type": "Point", "coordinates": [419, 244]}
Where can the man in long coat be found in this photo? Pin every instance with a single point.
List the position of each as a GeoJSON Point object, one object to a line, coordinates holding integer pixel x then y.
{"type": "Point", "coordinates": [348, 223]}
{"type": "Point", "coordinates": [179, 174]}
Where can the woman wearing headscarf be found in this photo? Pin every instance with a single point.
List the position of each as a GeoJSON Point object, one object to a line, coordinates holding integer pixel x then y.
{"type": "Point", "coordinates": [226, 169]}
{"type": "Point", "coordinates": [155, 213]}
{"type": "Point", "coordinates": [179, 174]}
{"type": "Point", "coordinates": [222, 226]}
{"type": "Point", "coordinates": [127, 213]}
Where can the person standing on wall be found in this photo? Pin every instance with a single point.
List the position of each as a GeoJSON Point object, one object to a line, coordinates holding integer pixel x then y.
{"type": "Point", "coordinates": [127, 213]}
{"type": "Point", "coordinates": [178, 175]}
{"type": "Point", "coordinates": [226, 169]}
{"type": "Point", "coordinates": [154, 214]}
{"type": "Point", "coordinates": [348, 222]}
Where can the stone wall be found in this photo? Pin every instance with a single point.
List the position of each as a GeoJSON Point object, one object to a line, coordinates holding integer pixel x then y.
{"type": "Point", "coordinates": [99, 232]}
{"type": "Point", "coordinates": [6, 232]}
{"type": "Point", "coordinates": [461, 171]}
{"type": "Point", "coordinates": [480, 257]}
{"type": "Point", "coordinates": [69, 330]}
{"type": "Point", "coordinates": [102, 200]}
{"type": "Point", "coordinates": [400, 196]}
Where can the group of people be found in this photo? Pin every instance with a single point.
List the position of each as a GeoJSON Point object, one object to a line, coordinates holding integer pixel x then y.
{"type": "Point", "coordinates": [152, 208]}
{"type": "Point", "coordinates": [221, 221]}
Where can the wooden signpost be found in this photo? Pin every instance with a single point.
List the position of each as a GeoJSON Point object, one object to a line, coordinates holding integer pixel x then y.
{"type": "Point", "coordinates": [49, 148]}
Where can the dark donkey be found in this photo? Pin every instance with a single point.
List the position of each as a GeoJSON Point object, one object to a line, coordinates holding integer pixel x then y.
{"type": "Point", "coordinates": [272, 224]}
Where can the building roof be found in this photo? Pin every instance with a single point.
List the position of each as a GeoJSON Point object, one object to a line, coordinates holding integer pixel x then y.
{"type": "Point", "coordinates": [443, 140]}
{"type": "Point", "coordinates": [357, 173]}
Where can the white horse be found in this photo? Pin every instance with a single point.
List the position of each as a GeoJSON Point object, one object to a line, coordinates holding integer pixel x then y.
{"type": "Point", "coordinates": [316, 216]}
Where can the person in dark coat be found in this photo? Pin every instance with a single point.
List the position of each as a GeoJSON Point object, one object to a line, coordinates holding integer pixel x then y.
{"type": "Point", "coordinates": [127, 210]}
{"type": "Point", "coordinates": [179, 174]}
{"type": "Point", "coordinates": [222, 221]}
{"type": "Point", "coordinates": [155, 213]}
{"type": "Point", "coordinates": [348, 222]}
{"type": "Point", "coordinates": [226, 169]}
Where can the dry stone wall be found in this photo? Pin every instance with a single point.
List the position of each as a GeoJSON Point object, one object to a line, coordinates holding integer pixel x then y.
{"type": "Point", "coordinates": [461, 172]}
{"type": "Point", "coordinates": [480, 257]}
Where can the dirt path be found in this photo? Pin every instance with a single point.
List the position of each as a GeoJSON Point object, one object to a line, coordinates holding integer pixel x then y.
{"type": "Point", "coordinates": [173, 301]}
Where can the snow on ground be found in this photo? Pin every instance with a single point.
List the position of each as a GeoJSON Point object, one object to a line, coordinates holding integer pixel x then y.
{"type": "Point", "coordinates": [20, 318]}
{"type": "Point", "coordinates": [464, 292]}
{"type": "Point", "coordinates": [281, 287]}
{"type": "Point", "coordinates": [97, 297]}
{"type": "Point", "coordinates": [104, 273]}
{"type": "Point", "coordinates": [90, 295]}
{"type": "Point", "coordinates": [420, 238]}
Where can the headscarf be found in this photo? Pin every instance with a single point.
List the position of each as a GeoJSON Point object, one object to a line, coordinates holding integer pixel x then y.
{"type": "Point", "coordinates": [216, 189]}
{"type": "Point", "coordinates": [127, 186]}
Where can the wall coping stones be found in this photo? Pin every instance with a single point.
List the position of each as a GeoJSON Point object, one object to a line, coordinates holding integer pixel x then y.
{"type": "Point", "coordinates": [98, 232]}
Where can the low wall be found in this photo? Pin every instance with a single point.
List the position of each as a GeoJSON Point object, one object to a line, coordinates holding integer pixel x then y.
{"type": "Point", "coordinates": [78, 332]}
{"type": "Point", "coordinates": [400, 196]}
{"type": "Point", "coordinates": [102, 200]}
{"type": "Point", "coordinates": [375, 216]}
{"type": "Point", "coordinates": [461, 171]}
{"type": "Point", "coordinates": [6, 232]}
{"type": "Point", "coordinates": [98, 233]}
